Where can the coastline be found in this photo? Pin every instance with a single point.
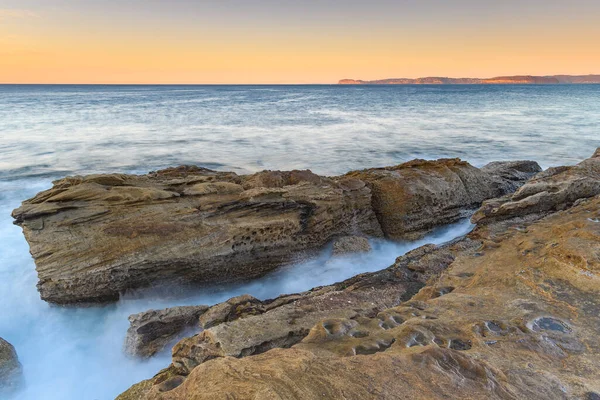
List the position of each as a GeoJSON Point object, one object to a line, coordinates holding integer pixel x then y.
{"type": "Point", "coordinates": [338, 322]}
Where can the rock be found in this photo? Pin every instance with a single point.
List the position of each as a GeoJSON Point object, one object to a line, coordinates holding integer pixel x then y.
{"type": "Point", "coordinates": [10, 367]}
{"type": "Point", "coordinates": [412, 198]}
{"type": "Point", "coordinates": [286, 320]}
{"type": "Point", "coordinates": [281, 326]}
{"type": "Point", "coordinates": [511, 175]}
{"type": "Point", "coordinates": [350, 244]}
{"type": "Point", "coordinates": [151, 331]}
{"type": "Point", "coordinates": [549, 191]}
{"type": "Point", "coordinates": [192, 226]}
{"type": "Point", "coordinates": [232, 309]}
{"type": "Point", "coordinates": [508, 314]}
{"type": "Point", "coordinates": [181, 226]}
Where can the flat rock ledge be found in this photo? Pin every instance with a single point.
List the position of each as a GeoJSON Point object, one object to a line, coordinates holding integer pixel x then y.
{"type": "Point", "coordinates": [193, 226]}
{"type": "Point", "coordinates": [509, 311]}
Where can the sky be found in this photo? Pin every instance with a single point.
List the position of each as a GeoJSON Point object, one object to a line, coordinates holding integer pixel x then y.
{"type": "Point", "coordinates": [300, 41]}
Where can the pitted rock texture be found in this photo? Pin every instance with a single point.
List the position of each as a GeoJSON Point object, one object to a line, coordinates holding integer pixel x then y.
{"type": "Point", "coordinates": [286, 320]}
{"type": "Point", "coordinates": [151, 331]}
{"type": "Point", "coordinates": [182, 225]}
{"type": "Point", "coordinates": [10, 367]}
{"type": "Point", "coordinates": [551, 190]}
{"type": "Point", "coordinates": [412, 198]}
{"type": "Point", "coordinates": [516, 317]}
{"type": "Point", "coordinates": [193, 226]}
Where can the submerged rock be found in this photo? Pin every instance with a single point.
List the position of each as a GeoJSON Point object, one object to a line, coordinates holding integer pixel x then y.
{"type": "Point", "coordinates": [151, 331]}
{"type": "Point", "coordinates": [506, 314]}
{"type": "Point", "coordinates": [350, 244]}
{"type": "Point", "coordinates": [190, 225]}
{"type": "Point", "coordinates": [10, 367]}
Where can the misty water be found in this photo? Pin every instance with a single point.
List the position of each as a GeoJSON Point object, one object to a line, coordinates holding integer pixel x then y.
{"type": "Point", "coordinates": [47, 132]}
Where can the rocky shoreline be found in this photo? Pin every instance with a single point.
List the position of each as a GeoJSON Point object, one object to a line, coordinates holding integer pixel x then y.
{"type": "Point", "coordinates": [508, 311]}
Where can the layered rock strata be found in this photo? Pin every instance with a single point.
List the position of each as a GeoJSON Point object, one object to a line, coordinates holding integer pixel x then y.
{"type": "Point", "coordinates": [180, 226]}
{"type": "Point", "coordinates": [190, 225]}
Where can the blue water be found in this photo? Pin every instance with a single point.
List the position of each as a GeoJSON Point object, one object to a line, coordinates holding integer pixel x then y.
{"type": "Point", "coordinates": [47, 132]}
{"type": "Point", "coordinates": [53, 130]}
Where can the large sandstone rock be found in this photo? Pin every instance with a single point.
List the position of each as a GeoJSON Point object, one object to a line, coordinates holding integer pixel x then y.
{"type": "Point", "coordinates": [96, 236]}
{"type": "Point", "coordinates": [93, 237]}
{"type": "Point", "coordinates": [151, 331]}
{"type": "Point", "coordinates": [513, 315]}
{"type": "Point", "coordinates": [412, 198]}
{"type": "Point", "coordinates": [10, 367]}
{"type": "Point", "coordinates": [551, 190]}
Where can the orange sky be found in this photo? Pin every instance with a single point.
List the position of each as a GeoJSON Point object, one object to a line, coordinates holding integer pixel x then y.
{"type": "Point", "coordinates": [230, 41]}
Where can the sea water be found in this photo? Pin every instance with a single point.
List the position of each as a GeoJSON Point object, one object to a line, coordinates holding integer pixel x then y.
{"type": "Point", "coordinates": [47, 132]}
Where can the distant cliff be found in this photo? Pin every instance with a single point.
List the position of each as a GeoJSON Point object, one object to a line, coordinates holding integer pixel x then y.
{"type": "Point", "coordinates": [522, 79]}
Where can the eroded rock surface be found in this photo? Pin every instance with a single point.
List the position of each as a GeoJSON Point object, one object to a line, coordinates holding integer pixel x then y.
{"type": "Point", "coordinates": [510, 313]}
{"type": "Point", "coordinates": [412, 198]}
{"type": "Point", "coordinates": [552, 190]}
{"type": "Point", "coordinates": [10, 367]}
{"type": "Point", "coordinates": [151, 331]}
{"type": "Point", "coordinates": [286, 320]}
{"type": "Point", "coordinates": [190, 225]}
{"type": "Point", "coordinates": [182, 225]}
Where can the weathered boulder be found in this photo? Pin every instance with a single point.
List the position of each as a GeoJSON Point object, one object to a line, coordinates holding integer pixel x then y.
{"type": "Point", "coordinates": [350, 244]}
{"type": "Point", "coordinates": [182, 225]}
{"type": "Point", "coordinates": [412, 198]}
{"type": "Point", "coordinates": [511, 175]}
{"type": "Point", "coordinates": [151, 331]}
{"type": "Point", "coordinates": [10, 367]}
{"type": "Point", "coordinates": [192, 226]}
{"type": "Point", "coordinates": [551, 190]}
{"type": "Point", "coordinates": [510, 314]}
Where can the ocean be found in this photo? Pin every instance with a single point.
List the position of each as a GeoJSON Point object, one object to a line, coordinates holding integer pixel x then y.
{"type": "Point", "coordinates": [47, 132]}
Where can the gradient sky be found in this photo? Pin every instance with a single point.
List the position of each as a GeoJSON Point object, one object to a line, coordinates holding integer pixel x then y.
{"type": "Point", "coordinates": [300, 41]}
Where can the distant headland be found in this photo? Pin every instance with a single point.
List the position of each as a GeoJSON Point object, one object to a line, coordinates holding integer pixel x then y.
{"type": "Point", "coordinates": [519, 79]}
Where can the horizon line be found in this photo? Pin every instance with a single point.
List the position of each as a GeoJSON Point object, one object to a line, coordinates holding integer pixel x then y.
{"type": "Point", "coordinates": [365, 82]}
